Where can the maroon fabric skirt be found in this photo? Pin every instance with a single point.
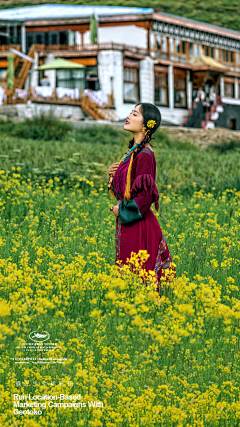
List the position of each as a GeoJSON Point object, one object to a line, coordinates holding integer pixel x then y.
{"type": "Point", "coordinates": [145, 234]}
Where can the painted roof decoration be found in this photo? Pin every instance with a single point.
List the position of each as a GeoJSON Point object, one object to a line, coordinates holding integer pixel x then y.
{"type": "Point", "coordinates": [54, 11]}
{"type": "Point", "coordinates": [198, 22]}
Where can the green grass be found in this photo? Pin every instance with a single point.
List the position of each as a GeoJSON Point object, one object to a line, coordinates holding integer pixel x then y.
{"type": "Point", "coordinates": [90, 151]}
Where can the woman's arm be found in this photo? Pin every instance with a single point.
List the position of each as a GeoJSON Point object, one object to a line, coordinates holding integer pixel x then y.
{"type": "Point", "coordinates": [143, 192]}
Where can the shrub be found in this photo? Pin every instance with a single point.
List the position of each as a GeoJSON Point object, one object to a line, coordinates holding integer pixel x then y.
{"type": "Point", "coordinates": [42, 127]}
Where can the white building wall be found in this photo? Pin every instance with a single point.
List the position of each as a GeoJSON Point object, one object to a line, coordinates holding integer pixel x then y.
{"type": "Point", "coordinates": [51, 73]}
{"type": "Point", "coordinates": [77, 37]}
{"type": "Point", "coordinates": [34, 76]}
{"type": "Point", "coordinates": [146, 80]}
{"type": "Point", "coordinates": [110, 64]}
{"type": "Point", "coordinates": [126, 34]}
{"type": "Point", "coordinates": [171, 87]}
{"type": "Point", "coordinates": [236, 88]}
{"type": "Point", "coordinates": [189, 90]}
{"type": "Point", "coordinates": [221, 86]}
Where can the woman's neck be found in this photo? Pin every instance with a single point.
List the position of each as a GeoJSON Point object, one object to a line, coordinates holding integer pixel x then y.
{"type": "Point", "coordinates": [138, 139]}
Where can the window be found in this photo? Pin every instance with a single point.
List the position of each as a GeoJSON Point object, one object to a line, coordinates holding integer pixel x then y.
{"type": "Point", "coordinates": [161, 88]}
{"type": "Point", "coordinates": [180, 88]}
{"type": "Point", "coordinates": [238, 61]}
{"type": "Point", "coordinates": [195, 49]}
{"type": "Point", "coordinates": [29, 41]}
{"type": "Point", "coordinates": [158, 46]}
{"type": "Point", "coordinates": [130, 84]}
{"type": "Point", "coordinates": [177, 50]}
{"type": "Point", "coordinates": [3, 72]}
{"type": "Point", "coordinates": [227, 58]}
{"type": "Point", "coordinates": [210, 51]}
{"type": "Point", "coordinates": [229, 87]}
{"type": "Point", "coordinates": [70, 79]}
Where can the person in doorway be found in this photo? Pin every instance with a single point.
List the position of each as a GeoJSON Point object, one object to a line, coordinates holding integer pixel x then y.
{"type": "Point", "coordinates": [201, 95]}
{"type": "Point", "coordinates": [132, 183]}
{"type": "Point", "coordinates": [213, 96]}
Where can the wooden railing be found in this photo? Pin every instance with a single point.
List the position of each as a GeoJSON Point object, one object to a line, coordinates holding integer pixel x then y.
{"type": "Point", "coordinates": [89, 106]}
{"type": "Point", "coordinates": [90, 47]}
{"type": "Point", "coordinates": [6, 48]}
{"type": "Point", "coordinates": [26, 65]}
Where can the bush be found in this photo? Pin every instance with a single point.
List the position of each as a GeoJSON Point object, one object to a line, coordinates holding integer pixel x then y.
{"type": "Point", "coordinates": [103, 134]}
{"type": "Point", "coordinates": [44, 127]}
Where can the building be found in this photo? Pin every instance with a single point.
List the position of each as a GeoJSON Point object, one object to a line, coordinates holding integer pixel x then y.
{"type": "Point", "coordinates": [141, 56]}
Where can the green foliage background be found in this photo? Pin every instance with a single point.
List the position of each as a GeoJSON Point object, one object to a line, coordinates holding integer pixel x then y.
{"type": "Point", "coordinates": [223, 13]}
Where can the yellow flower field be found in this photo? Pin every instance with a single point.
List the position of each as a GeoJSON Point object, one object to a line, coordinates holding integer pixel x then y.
{"type": "Point", "coordinates": [130, 357]}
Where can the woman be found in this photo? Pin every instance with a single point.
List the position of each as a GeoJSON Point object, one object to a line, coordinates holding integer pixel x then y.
{"type": "Point", "coordinates": [132, 182]}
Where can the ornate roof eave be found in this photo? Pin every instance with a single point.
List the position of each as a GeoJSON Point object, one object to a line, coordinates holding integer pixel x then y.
{"type": "Point", "coordinates": [86, 20]}
{"type": "Point", "coordinates": [195, 25]}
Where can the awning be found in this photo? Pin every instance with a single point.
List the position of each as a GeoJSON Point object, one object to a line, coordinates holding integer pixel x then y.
{"type": "Point", "coordinates": [85, 61]}
{"type": "Point", "coordinates": [206, 60]}
{"type": "Point", "coordinates": [60, 64]}
{"type": "Point", "coordinates": [129, 63]}
{"type": "Point", "coordinates": [159, 69]}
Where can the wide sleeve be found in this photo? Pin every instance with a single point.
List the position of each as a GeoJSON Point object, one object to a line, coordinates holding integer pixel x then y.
{"type": "Point", "coordinates": [143, 192]}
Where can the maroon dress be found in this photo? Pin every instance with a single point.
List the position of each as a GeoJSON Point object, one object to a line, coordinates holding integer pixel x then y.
{"type": "Point", "coordinates": [137, 228]}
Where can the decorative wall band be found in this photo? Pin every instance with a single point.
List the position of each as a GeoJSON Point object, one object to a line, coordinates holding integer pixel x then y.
{"type": "Point", "coordinates": [195, 35]}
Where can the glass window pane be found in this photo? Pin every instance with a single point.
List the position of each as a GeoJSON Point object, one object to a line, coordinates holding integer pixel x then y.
{"type": "Point", "coordinates": [160, 95]}
{"type": "Point", "coordinates": [65, 83]}
{"type": "Point", "coordinates": [130, 91]}
{"type": "Point", "coordinates": [79, 83]}
{"type": "Point", "coordinates": [177, 45]}
{"type": "Point", "coordinates": [183, 47]}
{"type": "Point", "coordinates": [179, 97]}
{"type": "Point", "coordinates": [63, 74]}
{"type": "Point", "coordinates": [152, 41]}
{"type": "Point", "coordinates": [78, 73]}
{"type": "Point", "coordinates": [190, 48]}
{"type": "Point", "coordinates": [164, 44]}
{"type": "Point", "coordinates": [158, 40]}
{"type": "Point", "coordinates": [195, 49]}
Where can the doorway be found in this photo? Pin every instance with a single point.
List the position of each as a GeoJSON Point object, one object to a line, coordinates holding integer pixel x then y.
{"type": "Point", "coordinates": [233, 125]}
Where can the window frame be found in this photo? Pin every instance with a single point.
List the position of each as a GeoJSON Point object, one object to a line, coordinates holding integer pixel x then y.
{"type": "Point", "coordinates": [70, 79]}
{"type": "Point", "coordinates": [159, 74]}
{"type": "Point", "coordinates": [156, 52]}
{"type": "Point", "coordinates": [180, 75]}
{"type": "Point", "coordinates": [130, 69]}
{"type": "Point", "coordinates": [177, 55]}
{"type": "Point", "coordinates": [229, 82]}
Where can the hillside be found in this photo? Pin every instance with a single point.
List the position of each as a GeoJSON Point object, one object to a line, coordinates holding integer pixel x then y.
{"type": "Point", "coordinates": [223, 13]}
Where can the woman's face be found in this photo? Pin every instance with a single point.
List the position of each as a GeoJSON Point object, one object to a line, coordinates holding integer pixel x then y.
{"type": "Point", "coordinates": [134, 122]}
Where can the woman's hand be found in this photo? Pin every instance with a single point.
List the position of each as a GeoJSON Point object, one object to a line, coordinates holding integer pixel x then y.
{"type": "Point", "coordinates": [113, 168]}
{"type": "Point", "coordinates": [115, 210]}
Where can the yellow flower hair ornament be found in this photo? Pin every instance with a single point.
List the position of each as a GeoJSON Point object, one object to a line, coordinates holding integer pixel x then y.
{"type": "Point", "coordinates": [151, 123]}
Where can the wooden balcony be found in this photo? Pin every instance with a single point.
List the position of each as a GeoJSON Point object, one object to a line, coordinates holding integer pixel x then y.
{"type": "Point", "coordinates": [4, 49]}
{"type": "Point", "coordinates": [81, 48]}
{"type": "Point", "coordinates": [88, 102]}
